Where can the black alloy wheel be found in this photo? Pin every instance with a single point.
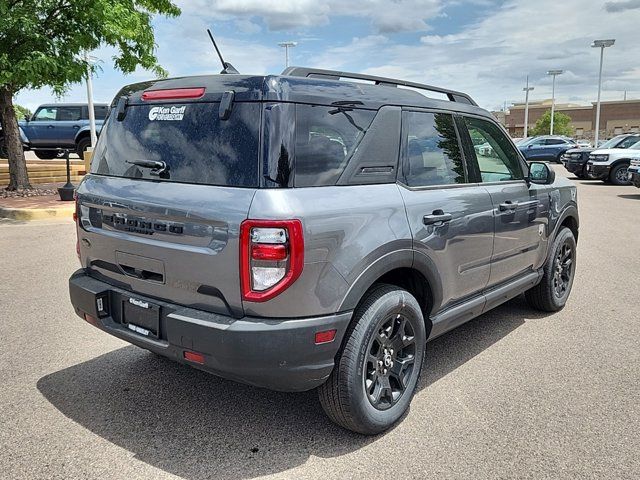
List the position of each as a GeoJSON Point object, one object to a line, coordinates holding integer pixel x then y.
{"type": "Point", "coordinates": [390, 362]}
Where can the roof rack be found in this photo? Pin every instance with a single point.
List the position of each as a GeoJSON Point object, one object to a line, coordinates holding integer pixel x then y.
{"type": "Point", "coordinates": [452, 95]}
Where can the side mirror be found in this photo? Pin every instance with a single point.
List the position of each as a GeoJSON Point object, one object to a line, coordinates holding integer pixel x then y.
{"type": "Point", "coordinates": [27, 118]}
{"type": "Point", "coordinates": [541, 174]}
{"type": "Point", "coordinates": [529, 146]}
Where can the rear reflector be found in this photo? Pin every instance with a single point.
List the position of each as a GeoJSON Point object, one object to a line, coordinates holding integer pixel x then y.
{"type": "Point", "coordinates": [268, 252]}
{"type": "Point", "coordinates": [194, 357]}
{"type": "Point", "coordinates": [91, 319]}
{"type": "Point", "coordinates": [325, 337]}
{"type": "Point", "coordinates": [173, 94]}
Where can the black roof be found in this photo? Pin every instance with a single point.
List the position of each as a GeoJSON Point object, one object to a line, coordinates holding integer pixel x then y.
{"type": "Point", "coordinates": [63, 104]}
{"type": "Point", "coordinates": [320, 89]}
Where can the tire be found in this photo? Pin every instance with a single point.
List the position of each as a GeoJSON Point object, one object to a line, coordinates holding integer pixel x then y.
{"type": "Point", "coordinates": [552, 293]}
{"type": "Point", "coordinates": [387, 317]}
{"type": "Point", "coordinates": [82, 145]}
{"type": "Point", "coordinates": [46, 154]}
{"type": "Point", "coordinates": [559, 158]}
{"type": "Point", "coordinates": [618, 175]}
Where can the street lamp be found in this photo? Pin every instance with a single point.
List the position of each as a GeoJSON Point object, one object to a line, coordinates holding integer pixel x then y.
{"type": "Point", "coordinates": [554, 74]}
{"type": "Point", "coordinates": [601, 44]}
{"type": "Point", "coordinates": [287, 46]}
{"type": "Point", "coordinates": [526, 89]}
{"type": "Point", "coordinates": [92, 116]}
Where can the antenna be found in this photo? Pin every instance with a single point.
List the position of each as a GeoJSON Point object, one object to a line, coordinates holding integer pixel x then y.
{"type": "Point", "coordinates": [227, 68]}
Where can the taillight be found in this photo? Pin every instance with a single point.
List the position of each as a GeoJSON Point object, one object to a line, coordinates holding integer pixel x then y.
{"type": "Point", "coordinates": [76, 220]}
{"type": "Point", "coordinates": [271, 257]}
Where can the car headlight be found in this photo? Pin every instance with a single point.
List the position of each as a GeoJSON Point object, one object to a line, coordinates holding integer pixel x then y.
{"type": "Point", "coordinates": [576, 156]}
{"type": "Point", "coordinates": [599, 158]}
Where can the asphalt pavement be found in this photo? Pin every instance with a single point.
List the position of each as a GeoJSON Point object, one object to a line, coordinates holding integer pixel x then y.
{"type": "Point", "coordinates": [512, 394]}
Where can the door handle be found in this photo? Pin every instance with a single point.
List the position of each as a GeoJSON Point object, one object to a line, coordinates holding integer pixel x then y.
{"type": "Point", "coordinates": [76, 126]}
{"type": "Point", "coordinates": [438, 216]}
{"type": "Point", "coordinates": [50, 126]}
{"type": "Point", "coordinates": [508, 206]}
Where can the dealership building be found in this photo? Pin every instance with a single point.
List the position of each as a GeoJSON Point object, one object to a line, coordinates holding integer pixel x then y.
{"type": "Point", "coordinates": [616, 117]}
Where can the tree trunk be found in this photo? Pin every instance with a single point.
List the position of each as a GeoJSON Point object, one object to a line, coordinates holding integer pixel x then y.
{"type": "Point", "coordinates": [18, 176]}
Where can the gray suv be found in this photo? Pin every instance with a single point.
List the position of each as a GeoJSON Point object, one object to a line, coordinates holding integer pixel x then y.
{"type": "Point", "coordinates": [312, 229]}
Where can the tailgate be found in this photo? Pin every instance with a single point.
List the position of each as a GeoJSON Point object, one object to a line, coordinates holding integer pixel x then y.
{"type": "Point", "coordinates": [172, 241]}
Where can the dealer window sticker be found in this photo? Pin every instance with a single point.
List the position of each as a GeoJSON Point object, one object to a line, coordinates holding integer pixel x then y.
{"type": "Point", "coordinates": [172, 113]}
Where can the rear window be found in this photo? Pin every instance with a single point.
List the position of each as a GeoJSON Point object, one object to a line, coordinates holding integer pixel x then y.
{"type": "Point", "coordinates": [190, 138]}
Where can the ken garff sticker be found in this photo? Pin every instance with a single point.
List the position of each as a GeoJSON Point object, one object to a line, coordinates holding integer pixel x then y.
{"type": "Point", "coordinates": [167, 113]}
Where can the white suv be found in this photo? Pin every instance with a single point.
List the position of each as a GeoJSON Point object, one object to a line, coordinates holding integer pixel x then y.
{"type": "Point", "coordinates": [611, 164]}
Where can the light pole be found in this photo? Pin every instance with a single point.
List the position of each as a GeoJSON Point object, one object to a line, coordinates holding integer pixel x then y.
{"type": "Point", "coordinates": [554, 74]}
{"type": "Point", "coordinates": [92, 115]}
{"type": "Point", "coordinates": [527, 89]}
{"type": "Point", "coordinates": [287, 46]}
{"type": "Point", "coordinates": [601, 44]}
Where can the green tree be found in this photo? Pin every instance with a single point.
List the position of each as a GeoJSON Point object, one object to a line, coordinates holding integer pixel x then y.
{"type": "Point", "coordinates": [42, 44]}
{"type": "Point", "coordinates": [561, 125]}
{"type": "Point", "coordinates": [22, 112]}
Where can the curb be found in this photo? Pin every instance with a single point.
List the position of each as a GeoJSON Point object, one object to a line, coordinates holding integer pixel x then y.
{"type": "Point", "coordinates": [37, 213]}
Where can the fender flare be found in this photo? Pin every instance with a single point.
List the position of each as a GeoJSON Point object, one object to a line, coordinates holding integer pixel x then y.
{"type": "Point", "coordinates": [569, 211]}
{"type": "Point", "coordinates": [84, 131]}
{"type": "Point", "coordinates": [405, 258]}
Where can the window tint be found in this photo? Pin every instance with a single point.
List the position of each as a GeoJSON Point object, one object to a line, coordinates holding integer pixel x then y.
{"type": "Point", "coordinates": [627, 142]}
{"type": "Point", "coordinates": [499, 160]}
{"type": "Point", "coordinates": [326, 137]}
{"type": "Point", "coordinates": [46, 113]}
{"type": "Point", "coordinates": [554, 141]}
{"type": "Point", "coordinates": [431, 150]}
{"type": "Point", "coordinates": [190, 138]}
{"type": "Point", "coordinates": [69, 114]}
{"type": "Point", "coordinates": [100, 111]}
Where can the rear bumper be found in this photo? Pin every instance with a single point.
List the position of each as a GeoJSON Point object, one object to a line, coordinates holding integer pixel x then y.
{"type": "Point", "coordinates": [279, 354]}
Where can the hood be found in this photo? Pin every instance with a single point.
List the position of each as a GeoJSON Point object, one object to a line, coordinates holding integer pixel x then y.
{"type": "Point", "coordinates": [616, 151]}
{"type": "Point", "coordinates": [579, 150]}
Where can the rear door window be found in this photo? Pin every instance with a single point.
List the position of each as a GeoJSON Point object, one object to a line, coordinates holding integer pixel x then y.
{"type": "Point", "coordinates": [431, 150]}
{"type": "Point", "coordinates": [190, 138]}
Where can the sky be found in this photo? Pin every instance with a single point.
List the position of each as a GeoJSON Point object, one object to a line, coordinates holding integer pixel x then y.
{"type": "Point", "coordinates": [485, 48]}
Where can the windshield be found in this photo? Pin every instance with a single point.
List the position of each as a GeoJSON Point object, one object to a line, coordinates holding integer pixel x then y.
{"type": "Point", "coordinates": [635, 146]}
{"type": "Point", "coordinates": [611, 143]}
{"type": "Point", "coordinates": [195, 145]}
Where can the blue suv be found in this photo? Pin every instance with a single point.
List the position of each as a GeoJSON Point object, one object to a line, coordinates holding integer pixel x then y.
{"type": "Point", "coordinates": [56, 126]}
{"type": "Point", "coordinates": [547, 147]}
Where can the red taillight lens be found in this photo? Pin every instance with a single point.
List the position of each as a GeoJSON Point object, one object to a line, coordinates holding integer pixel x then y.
{"type": "Point", "coordinates": [173, 94]}
{"type": "Point", "coordinates": [76, 219]}
{"type": "Point", "coordinates": [271, 257]}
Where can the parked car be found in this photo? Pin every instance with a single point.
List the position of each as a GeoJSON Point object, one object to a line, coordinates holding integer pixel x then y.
{"type": "Point", "coordinates": [611, 164]}
{"type": "Point", "coordinates": [634, 172]}
{"type": "Point", "coordinates": [546, 148]}
{"type": "Point", "coordinates": [575, 159]}
{"type": "Point", "coordinates": [304, 231]}
{"type": "Point", "coordinates": [58, 126]}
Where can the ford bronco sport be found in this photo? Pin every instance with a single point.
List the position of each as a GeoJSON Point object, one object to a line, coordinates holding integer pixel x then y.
{"type": "Point", "coordinates": [312, 230]}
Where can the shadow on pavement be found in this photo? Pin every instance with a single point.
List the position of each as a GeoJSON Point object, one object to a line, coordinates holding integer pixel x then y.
{"type": "Point", "coordinates": [196, 425]}
{"type": "Point", "coordinates": [632, 197]}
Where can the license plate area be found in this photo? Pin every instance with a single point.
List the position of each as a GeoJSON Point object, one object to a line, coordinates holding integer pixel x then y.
{"type": "Point", "coordinates": [141, 317]}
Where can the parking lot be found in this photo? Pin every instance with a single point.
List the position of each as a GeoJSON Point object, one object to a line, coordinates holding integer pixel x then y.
{"type": "Point", "coordinates": [514, 393]}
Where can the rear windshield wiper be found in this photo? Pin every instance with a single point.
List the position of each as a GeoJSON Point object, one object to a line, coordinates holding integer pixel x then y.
{"type": "Point", "coordinates": [159, 168]}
